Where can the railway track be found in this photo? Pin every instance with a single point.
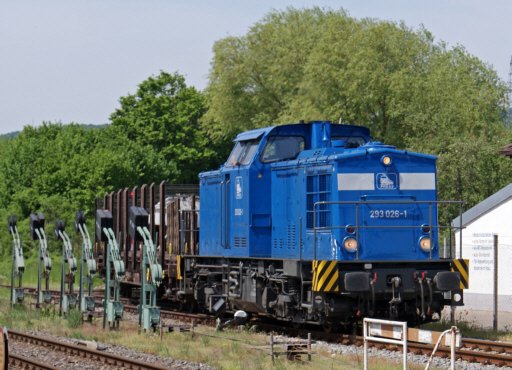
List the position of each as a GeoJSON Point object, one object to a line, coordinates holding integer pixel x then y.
{"type": "Point", "coordinates": [179, 316]}
{"type": "Point", "coordinates": [484, 352]}
{"type": "Point", "coordinates": [107, 360]}
{"type": "Point", "coordinates": [496, 353]}
{"type": "Point", "coordinates": [478, 355]}
{"type": "Point", "coordinates": [473, 350]}
{"type": "Point", "coordinates": [22, 362]}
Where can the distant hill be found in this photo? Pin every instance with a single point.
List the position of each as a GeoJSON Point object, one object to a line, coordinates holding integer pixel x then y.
{"type": "Point", "coordinates": [9, 135]}
{"type": "Point", "coordinates": [92, 127]}
{"type": "Point", "coordinates": [13, 134]}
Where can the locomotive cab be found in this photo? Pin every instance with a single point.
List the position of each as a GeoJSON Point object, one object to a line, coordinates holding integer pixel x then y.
{"type": "Point", "coordinates": [237, 198]}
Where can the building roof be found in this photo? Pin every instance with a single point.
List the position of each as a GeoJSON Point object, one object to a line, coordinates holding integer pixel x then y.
{"type": "Point", "coordinates": [485, 206]}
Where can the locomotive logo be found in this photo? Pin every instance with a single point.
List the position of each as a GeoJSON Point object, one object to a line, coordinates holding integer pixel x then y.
{"type": "Point", "coordinates": [238, 187]}
{"type": "Point", "coordinates": [386, 181]}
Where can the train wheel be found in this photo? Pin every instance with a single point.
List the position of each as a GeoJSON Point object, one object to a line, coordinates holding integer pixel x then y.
{"type": "Point", "coordinates": [330, 327]}
{"type": "Point", "coordinates": [296, 325]}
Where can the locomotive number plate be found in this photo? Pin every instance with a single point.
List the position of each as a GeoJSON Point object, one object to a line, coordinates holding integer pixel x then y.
{"type": "Point", "coordinates": [388, 213]}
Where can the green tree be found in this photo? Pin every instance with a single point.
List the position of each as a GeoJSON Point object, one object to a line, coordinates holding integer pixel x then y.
{"type": "Point", "coordinates": [65, 167]}
{"type": "Point", "coordinates": [59, 169]}
{"type": "Point", "coordinates": [255, 78]}
{"type": "Point", "coordinates": [161, 120]}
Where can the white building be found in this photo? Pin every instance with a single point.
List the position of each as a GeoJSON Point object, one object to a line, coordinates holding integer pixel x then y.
{"type": "Point", "coordinates": [480, 224]}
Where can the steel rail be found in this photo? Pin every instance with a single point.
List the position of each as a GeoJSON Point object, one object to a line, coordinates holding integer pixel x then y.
{"type": "Point", "coordinates": [178, 315]}
{"type": "Point", "coordinates": [488, 345]}
{"type": "Point", "coordinates": [28, 363]}
{"type": "Point", "coordinates": [480, 351]}
{"type": "Point", "coordinates": [72, 349]}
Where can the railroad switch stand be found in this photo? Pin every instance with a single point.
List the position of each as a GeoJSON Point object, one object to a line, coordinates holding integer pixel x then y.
{"type": "Point", "coordinates": [87, 268]}
{"type": "Point", "coordinates": [18, 263]}
{"type": "Point", "coordinates": [150, 269]}
{"type": "Point", "coordinates": [44, 267]}
{"type": "Point", "coordinates": [68, 299]}
{"type": "Point", "coordinates": [113, 309]}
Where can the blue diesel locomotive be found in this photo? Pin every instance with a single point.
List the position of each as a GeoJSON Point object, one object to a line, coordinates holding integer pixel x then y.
{"type": "Point", "coordinates": [316, 223]}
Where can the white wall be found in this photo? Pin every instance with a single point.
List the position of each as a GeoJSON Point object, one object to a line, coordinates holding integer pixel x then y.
{"type": "Point", "coordinates": [477, 246]}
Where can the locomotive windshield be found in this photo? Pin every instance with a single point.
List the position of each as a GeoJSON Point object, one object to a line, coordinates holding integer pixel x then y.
{"type": "Point", "coordinates": [243, 153]}
{"type": "Point", "coordinates": [281, 148]}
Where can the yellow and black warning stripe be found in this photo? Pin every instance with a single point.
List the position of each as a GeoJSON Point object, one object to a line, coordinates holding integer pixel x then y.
{"type": "Point", "coordinates": [461, 266]}
{"type": "Point", "coordinates": [326, 276]}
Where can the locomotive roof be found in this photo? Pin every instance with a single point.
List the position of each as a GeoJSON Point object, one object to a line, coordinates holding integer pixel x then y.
{"type": "Point", "coordinates": [257, 133]}
{"type": "Point", "coordinates": [253, 134]}
{"type": "Point", "coordinates": [361, 151]}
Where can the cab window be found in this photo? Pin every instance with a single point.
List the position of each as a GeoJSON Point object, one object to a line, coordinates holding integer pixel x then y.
{"type": "Point", "coordinates": [243, 153]}
{"type": "Point", "coordinates": [351, 141]}
{"type": "Point", "coordinates": [282, 148]}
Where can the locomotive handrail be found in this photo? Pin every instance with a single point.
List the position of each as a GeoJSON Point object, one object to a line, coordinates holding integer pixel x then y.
{"type": "Point", "coordinates": [226, 200]}
{"type": "Point", "coordinates": [390, 201]}
{"type": "Point", "coordinates": [221, 204]}
{"type": "Point", "coordinates": [430, 203]}
{"type": "Point", "coordinates": [224, 242]}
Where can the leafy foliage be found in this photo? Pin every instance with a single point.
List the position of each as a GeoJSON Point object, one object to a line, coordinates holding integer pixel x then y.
{"type": "Point", "coordinates": [59, 169]}
{"type": "Point", "coordinates": [162, 118]}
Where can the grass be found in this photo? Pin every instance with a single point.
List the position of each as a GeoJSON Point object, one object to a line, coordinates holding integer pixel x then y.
{"type": "Point", "coordinates": [222, 350]}
{"type": "Point", "coordinates": [470, 328]}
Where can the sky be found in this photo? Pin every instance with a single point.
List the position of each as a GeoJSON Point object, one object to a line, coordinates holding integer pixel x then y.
{"type": "Point", "coordinates": [70, 61]}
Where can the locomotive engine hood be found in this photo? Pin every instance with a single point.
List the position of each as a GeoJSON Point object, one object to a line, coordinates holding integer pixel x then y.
{"type": "Point", "coordinates": [370, 202]}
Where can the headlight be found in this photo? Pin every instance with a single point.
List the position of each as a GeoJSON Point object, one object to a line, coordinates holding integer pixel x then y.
{"type": "Point", "coordinates": [425, 244]}
{"type": "Point", "coordinates": [425, 229]}
{"type": "Point", "coordinates": [386, 160]}
{"type": "Point", "coordinates": [350, 244]}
